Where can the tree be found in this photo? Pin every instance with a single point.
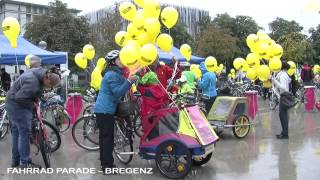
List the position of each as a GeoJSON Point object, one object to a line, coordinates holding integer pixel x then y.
{"type": "Point", "coordinates": [104, 31]}
{"type": "Point", "coordinates": [179, 35]}
{"type": "Point", "coordinates": [239, 27]}
{"type": "Point", "coordinates": [60, 29]}
{"type": "Point", "coordinates": [296, 47]}
{"type": "Point", "coordinates": [315, 42]}
{"type": "Point", "coordinates": [217, 43]}
{"type": "Point", "coordinates": [280, 27]}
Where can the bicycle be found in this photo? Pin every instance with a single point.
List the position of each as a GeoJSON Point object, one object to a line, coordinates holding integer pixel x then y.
{"type": "Point", "coordinates": [53, 110]}
{"type": "Point", "coordinates": [40, 137]}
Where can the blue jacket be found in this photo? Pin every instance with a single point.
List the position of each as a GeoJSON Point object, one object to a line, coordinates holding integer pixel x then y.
{"type": "Point", "coordinates": [113, 87]}
{"type": "Point", "coordinates": [208, 84]}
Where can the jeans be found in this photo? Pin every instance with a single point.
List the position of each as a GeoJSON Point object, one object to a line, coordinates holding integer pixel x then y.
{"type": "Point", "coordinates": [208, 103]}
{"type": "Point", "coordinates": [283, 115]}
{"type": "Point", "coordinates": [21, 120]}
{"type": "Point", "coordinates": [105, 124]}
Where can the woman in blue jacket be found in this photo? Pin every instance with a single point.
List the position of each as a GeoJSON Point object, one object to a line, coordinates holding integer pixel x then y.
{"type": "Point", "coordinates": [207, 83]}
{"type": "Point", "coordinates": [113, 86]}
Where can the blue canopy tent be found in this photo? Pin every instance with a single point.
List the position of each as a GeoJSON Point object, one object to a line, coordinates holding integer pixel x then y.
{"type": "Point", "coordinates": [10, 56]}
{"type": "Point", "coordinates": [166, 57]}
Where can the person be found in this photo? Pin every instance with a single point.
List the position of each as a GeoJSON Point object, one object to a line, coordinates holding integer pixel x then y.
{"type": "Point", "coordinates": [5, 80]}
{"type": "Point", "coordinates": [21, 97]}
{"type": "Point", "coordinates": [165, 72]}
{"type": "Point", "coordinates": [184, 87]}
{"type": "Point", "coordinates": [191, 78]}
{"type": "Point", "coordinates": [35, 62]}
{"type": "Point", "coordinates": [282, 84]}
{"type": "Point", "coordinates": [113, 86]}
{"type": "Point", "coordinates": [207, 84]}
{"type": "Point", "coordinates": [307, 75]}
{"type": "Point", "coordinates": [266, 85]}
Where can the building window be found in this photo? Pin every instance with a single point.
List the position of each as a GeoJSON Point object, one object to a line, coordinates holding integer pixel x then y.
{"type": "Point", "coordinates": [34, 10]}
{"type": "Point", "coordinates": [28, 9]}
{"type": "Point", "coordinates": [28, 18]}
{"type": "Point", "coordinates": [41, 10]}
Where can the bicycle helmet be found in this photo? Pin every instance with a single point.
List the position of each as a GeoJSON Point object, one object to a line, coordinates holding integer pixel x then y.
{"type": "Point", "coordinates": [112, 56]}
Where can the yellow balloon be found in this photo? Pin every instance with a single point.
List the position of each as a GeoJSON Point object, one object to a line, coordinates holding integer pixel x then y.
{"type": "Point", "coordinates": [101, 64]}
{"type": "Point", "coordinates": [138, 20]}
{"type": "Point", "coordinates": [245, 67]}
{"type": "Point", "coordinates": [238, 63]}
{"type": "Point", "coordinates": [96, 78]}
{"type": "Point", "coordinates": [129, 55]}
{"type": "Point", "coordinates": [232, 71]}
{"type": "Point", "coordinates": [264, 39]}
{"type": "Point", "coordinates": [275, 64]}
{"type": "Point", "coordinates": [211, 64]}
{"type": "Point", "coordinates": [251, 74]}
{"type": "Point", "coordinates": [169, 17]}
{"type": "Point", "coordinates": [186, 51]}
{"type": "Point", "coordinates": [292, 64]}
{"type": "Point", "coordinates": [291, 71]}
{"type": "Point", "coordinates": [151, 8]}
{"type": "Point", "coordinates": [139, 2]}
{"type": "Point", "coordinates": [261, 33]}
{"type": "Point", "coordinates": [263, 72]}
{"type": "Point", "coordinates": [11, 29]}
{"type": "Point", "coordinates": [197, 72]}
{"type": "Point", "coordinates": [121, 38]}
{"type": "Point", "coordinates": [316, 69]}
{"type": "Point", "coordinates": [263, 50]}
{"type": "Point", "coordinates": [221, 66]}
{"type": "Point", "coordinates": [81, 60]}
{"type": "Point", "coordinates": [252, 39]}
{"type": "Point", "coordinates": [252, 59]}
{"type": "Point", "coordinates": [152, 27]}
{"type": "Point", "coordinates": [144, 38]}
{"type": "Point", "coordinates": [135, 44]}
{"type": "Point", "coordinates": [88, 51]}
{"type": "Point", "coordinates": [149, 54]}
{"type": "Point", "coordinates": [27, 60]}
{"type": "Point", "coordinates": [165, 42]}
{"type": "Point", "coordinates": [277, 50]}
{"type": "Point", "coordinates": [127, 10]}
{"type": "Point", "coordinates": [133, 31]}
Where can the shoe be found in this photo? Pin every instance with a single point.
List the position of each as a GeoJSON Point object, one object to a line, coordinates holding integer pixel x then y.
{"type": "Point", "coordinates": [30, 165]}
{"type": "Point", "coordinates": [281, 136]}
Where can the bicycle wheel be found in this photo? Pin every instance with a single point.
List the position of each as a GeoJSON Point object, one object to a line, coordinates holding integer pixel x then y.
{"type": "Point", "coordinates": [58, 116]}
{"type": "Point", "coordinates": [44, 148]}
{"type": "Point", "coordinates": [4, 126]}
{"type": "Point", "coordinates": [273, 103]}
{"type": "Point", "coordinates": [137, 125]}
{"type": "Point", "coordinates": [88, 110]}
{"type": "Point", "coordinates": [85, 133]}
{"type": "Point", "coordinates": [123, 142]}
{"type": "Point", "coordinates": [53, 136]}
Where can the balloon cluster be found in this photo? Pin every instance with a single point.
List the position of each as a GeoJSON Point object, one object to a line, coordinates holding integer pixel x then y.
{"type": "Point", "coordinates": [232, 74]}
{"type": "Point", "coordinates": [81, 59]}
{"type": "Point", "coordinates": [211, 65]}
{"type": "Point", "coordinates": [262, 48]}
{"type": "Point", "coordinates": [143, 32]}
{"type": "Point", "coordinates": [11, 29]}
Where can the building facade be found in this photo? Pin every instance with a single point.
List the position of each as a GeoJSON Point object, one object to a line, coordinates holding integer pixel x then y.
{"type": "Point", "coordinates": [187, 16]}
{"type": "Point", "coordinates": [24, 12]}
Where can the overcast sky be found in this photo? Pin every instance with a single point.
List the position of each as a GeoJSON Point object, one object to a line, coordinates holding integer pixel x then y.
{"type": "Point", "coordinates": [262, 11]}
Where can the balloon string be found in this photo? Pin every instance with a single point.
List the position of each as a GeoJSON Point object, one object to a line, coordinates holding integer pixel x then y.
{"type": "Point", "coordinates": [174, 102]}
{"type": "Point", "coordinates": [15, 54]}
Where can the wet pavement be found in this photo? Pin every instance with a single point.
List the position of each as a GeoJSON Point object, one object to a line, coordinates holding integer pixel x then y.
{"type": "Point", "coordinates": [260, 156]}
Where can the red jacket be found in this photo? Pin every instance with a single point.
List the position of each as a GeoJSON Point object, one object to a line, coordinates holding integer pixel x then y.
{"type": "Point", "coordinates": [164, 73]}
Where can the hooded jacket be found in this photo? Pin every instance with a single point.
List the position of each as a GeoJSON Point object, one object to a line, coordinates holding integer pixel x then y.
{"type": "Point", "coordinates": [113, 86]}
{"type": "Point", "coordinates": [208, 82]}
{"type": "Point", "coordinates": [27, 88]}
